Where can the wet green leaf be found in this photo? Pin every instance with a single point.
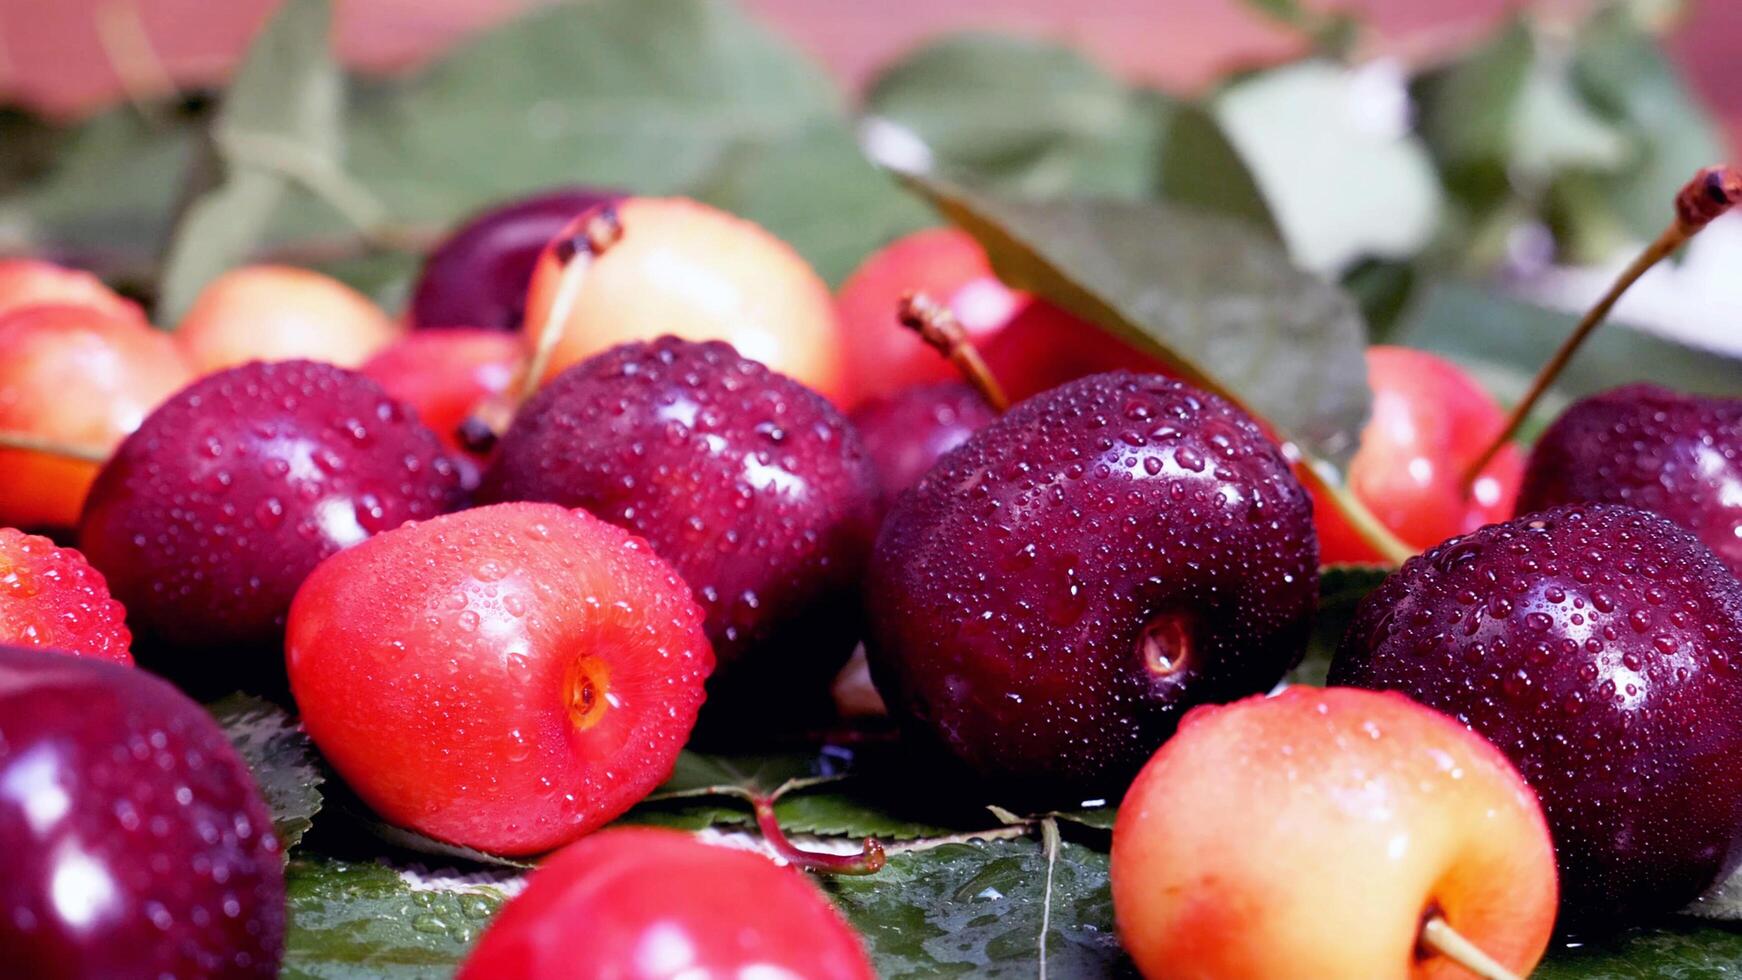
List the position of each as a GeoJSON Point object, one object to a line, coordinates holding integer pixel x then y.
{"type": "Point", "coordinates": [281, 757]}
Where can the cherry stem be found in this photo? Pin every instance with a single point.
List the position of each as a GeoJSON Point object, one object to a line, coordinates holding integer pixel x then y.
{"type": "Point", "coordinates": [576, 253]}
{"type": "Point", "coordinates": [25, 442]}
{"type": "Point", "coordinates": [869, 860]}
{"type": "Point", "coordinates": [938, 327]}
{"type": "Point", "coordinates": [1712, 192]}
{"type": "Point", "coordinates": [1370, 529]}
{"type": "Point", "coordinates": [1438, 936]}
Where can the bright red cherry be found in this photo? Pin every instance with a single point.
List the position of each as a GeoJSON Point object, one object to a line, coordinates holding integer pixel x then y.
{"type": "Point", "coordinates": [477, 276]}
{"type": "Point", "coordinates": [1430, 421]}
{"type": "Point", "coordinates": [281, 313]}
{"type": "Point", "coordinates": [1043, 347]}
{"type": "Point", "coordinates": [508, 678]}
{"type": "Point", "coordinates": [51, 597]}
{"type": "Point", "coordinates": [445, 374]}
{"type": "Point", "coordinates": [644, 904]}
{"type": "Point", "coordinates": [211, 514]}
{"type": "Point", "coordinates": [136, 840]}
{"type": "Point", "coordinates": [79, 376]}
{"type": "Point", "coordinates": [31, 282]}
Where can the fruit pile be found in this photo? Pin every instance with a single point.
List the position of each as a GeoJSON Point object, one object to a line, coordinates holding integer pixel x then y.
{"type": "Point", "coordinates": [627, 478]}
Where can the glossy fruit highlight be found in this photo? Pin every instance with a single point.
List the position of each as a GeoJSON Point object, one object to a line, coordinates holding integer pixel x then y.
{"type": "Point", "coordinates": [50, 597]}
{"type": "Point", "coordinates": [693, 271]}
{"type": "Point", "coordinates": [1058, 590]}
{"type": "Point", "coordinates": [281, 313]}
{"type": "Point", "coordinates": [1313, 833]}
{"type": "Point", "coordinates": [1597, 646]}
{"type": "Point", "coordinates": [645, 904]}
{"type": "Point", "coordinates": [211, 514]}
{"type": "Point", "coordinates": [137, 842]}
{"type": "Point", "coordinates": [77, 376]}
{"type": "Point", "coordinates": [507, 678]}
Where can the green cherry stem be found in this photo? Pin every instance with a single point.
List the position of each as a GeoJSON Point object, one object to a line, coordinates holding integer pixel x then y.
{"type": "Point", "coordinates": [1712, 192]}
{"type": "Point", "coordinates": [25, 442]}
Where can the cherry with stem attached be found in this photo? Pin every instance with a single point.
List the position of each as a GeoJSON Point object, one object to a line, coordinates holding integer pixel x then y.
{"type": "Point", "coordinates": [1712, 192]}
{"type": "Point", "coordinates": [870, 859]}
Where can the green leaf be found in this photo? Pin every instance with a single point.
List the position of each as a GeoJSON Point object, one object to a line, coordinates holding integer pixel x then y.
{"type": "Point", "coordinates": [369, 920]}
{"type": "Point", "coordinates": [1681, 953]}
{"type": "Point", "coordinates": [1341, 589]}
{"type": "Point", "coordinates": [1210, 294]}
{"type": "Point", "coordinates": [1200, 167]}
{"type": "Point", "coordinates": [1331, 150]}
{"type": "Point", "coordinates": [975, 910]}
{"type": "Point", "coordinates": [281, 757]}
{"type": "Point", "coordinates": [289, 97]}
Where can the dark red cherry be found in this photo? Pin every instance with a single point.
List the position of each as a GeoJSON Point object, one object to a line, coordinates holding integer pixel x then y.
{"type": "Point", "coordinates": [1659, 450]}
{"type": "Point", "coordinates": [136, 842]}
{"type": "Point", "coordinates": [907, 432]}
{"type": "Point", "coordinates": [209, 516]}
{"type": "Point", "coordinates": [1600, 647]}
{"type": "Point", "coordinates": [1059, 589]}
{"type": "Point", "coordinates": [751, 485]}
{"type": "Point", "coordinates": [478, 275]}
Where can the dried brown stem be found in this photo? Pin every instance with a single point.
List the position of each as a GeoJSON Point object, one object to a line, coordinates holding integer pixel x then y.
{"type": "Point", "coordinates": [937, 326]}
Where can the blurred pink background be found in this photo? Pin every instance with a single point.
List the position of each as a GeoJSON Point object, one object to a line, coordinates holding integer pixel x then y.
{"type": "Point", "coordinates": [62, 56]}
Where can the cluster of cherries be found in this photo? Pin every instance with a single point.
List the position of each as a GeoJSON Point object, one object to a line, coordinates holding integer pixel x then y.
{"type": "Point", "coordinates": [510, 560]}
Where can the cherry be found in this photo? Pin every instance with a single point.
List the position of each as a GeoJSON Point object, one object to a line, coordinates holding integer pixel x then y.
{"type": "Point", "coordinates": [30, 282]}
{"type": "Point", "coordinates": [1596, 646]}
{"type": "Point", "coordinates": [1659, 450]}
{"type": "Point", "coordinates": [1430, 420]}
{"type": "Point", "coordinates": [76, 379]}
{"type": "Point", "coordinates": [211, 514]}
{"type": "Point", "coordinates": [753, 486]}
{"type": "Point", "coordinates": [1417, 828]}
{"type": "Point", "coordinates": [906, 433]}
{"type": "Point", "coordinates": [690, 270]}
{"type": "Point", "coordinates": [136, 841]}
{"type": "Point", "coordinates": [280, 313]}
{"type": "Point", "coordinates": [507, 678]}
{"type": "Point", "coordinates": [477, 276]}
{"type": "Point", "coordinates": [644, 904]}
{"type": "Point", "coordinates": [51, 597]}
{"type": "Point", "coordinates": [445, 374]}
{"type": "Point", "coordinates": [1044, 347]}
{"type": "Point", "coordinates": [1058, 590]}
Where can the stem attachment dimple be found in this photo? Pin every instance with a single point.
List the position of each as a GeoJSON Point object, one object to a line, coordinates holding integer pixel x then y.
{"type": "Point", "coordinates": [937, 326]}
{"type": "Point", "coordinates": [1712, 192]}
{"type": "Point", "coordinates": [1438, 937]}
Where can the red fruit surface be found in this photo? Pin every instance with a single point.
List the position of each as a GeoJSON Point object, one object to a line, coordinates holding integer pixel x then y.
{"type": "Point", "coordinates": [906, 433]}
{"type": "Point", "coordinates": [1598, 647]}
{"type": "Point", "coordinates": [1430, 421]}
{"type": "Point", "coordinates": [79, 376]}
{"type": "Point", "coordinates": [645, 904]}
{"type": "Point", "coordinates": [1044, 347]}
{"type": "Point", "coordinates": [137, 843]}
{"type": "Point", "coordinates": [753, 486]}
{"type": "Point", "coordinates": [1648, 447]}
{"type": "Point", "coordinates": [211, 514]}
{"type": "Point", "coordinates": [508, 678]}
{"type": "Point", "coordinates": [281, 313]}
{"type": "Point", "coordinates": [1059, 589]}
{"type": "Point", "coordinates": [51, 597]}
{"type": "Point", "coordinates": [947, 264]}
{"type": "Point", "coordinates": [446, 373]}
{"type": "Point", "coordinates": [31, 282]}
{"type": "Point", "coordinates": [477, 276]}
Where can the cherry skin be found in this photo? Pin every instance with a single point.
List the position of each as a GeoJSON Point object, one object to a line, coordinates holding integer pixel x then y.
{"type": "Point", "coordinates": [1408, 814]}
{"type": "Point", "coordinates": [946, 264]}
{"type": "Point", "coordinates": [1043, 347]}
{"type": "Point", "coordinates": [1595, 645]}
{"type": "Point", "coordinates": [1060, 588]}
{"type": "Point", "coordinates": [137, 842]}
{"type": "Point", "coordinates": [477, 276]}
{"type": "Point", "coordinates": [1648, 447]}
{"type": "Point", "coordinates": [445, 374]}
{"type": "Point", "coordinates": [906, 433]}
{"type": "Point", "coordinates": [1430, 421]}
{"type": "Point", "coordinates": [79, 376]}
{"type": "Point", "coordinates": [754, 487]}
{"type": "Point", "coordinates": [51, 597]}
{"type": "Point", "coordinates": [211, 514]}
{"type": "Point", "coordinates": [693, 271]}
{"type": "Point", "coordinates": [30, 282]}
{"type": "Point", "coordinates": [280, 313]}
{"type": "Point", "coordinates": [644, 904]}
{"type": "Point", "coordinates": [507, 678]}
